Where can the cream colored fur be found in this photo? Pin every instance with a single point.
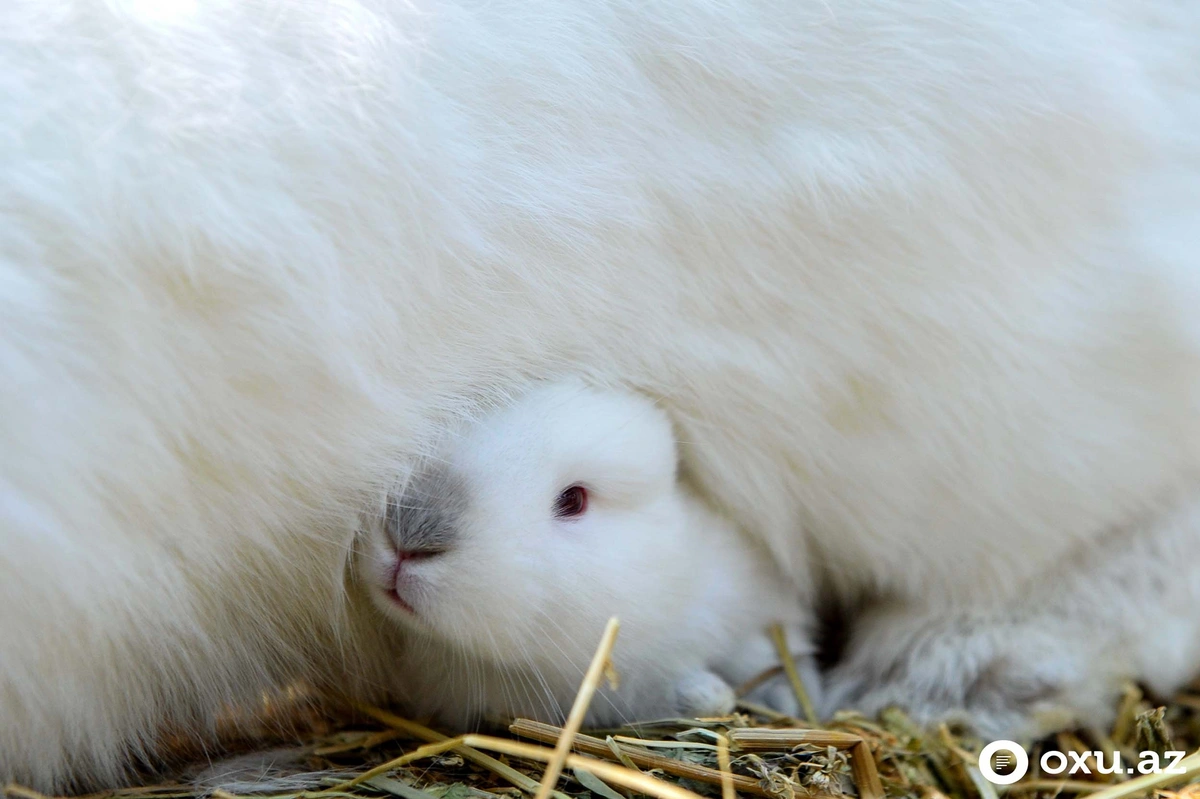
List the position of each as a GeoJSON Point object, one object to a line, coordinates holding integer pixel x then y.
{"type": "Point", "coordinates": [916, 280]}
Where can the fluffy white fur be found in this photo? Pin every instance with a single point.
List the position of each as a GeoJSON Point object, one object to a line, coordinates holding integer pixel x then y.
{"type": "Point", "coordinates": [1057, 655]}
{"type": "Point", "coordinates": [507, 599]}
{"type": "Point", "coordinates": [916, 280]}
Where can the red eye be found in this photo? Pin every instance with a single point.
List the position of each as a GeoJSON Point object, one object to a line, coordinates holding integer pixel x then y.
{"type": "Point", "coordinates": [571, 503]}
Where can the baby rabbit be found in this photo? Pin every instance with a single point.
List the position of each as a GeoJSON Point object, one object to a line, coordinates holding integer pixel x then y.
{"type": "Point", "coordinates": [505, 556]}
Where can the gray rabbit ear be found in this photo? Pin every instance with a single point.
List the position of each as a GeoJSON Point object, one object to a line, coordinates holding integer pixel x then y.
{"type": "Point", "coordinates": [427, 515]}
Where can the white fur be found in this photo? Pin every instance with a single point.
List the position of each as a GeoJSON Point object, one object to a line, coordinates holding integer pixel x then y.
{"type": "Point", "coordinates": [1058, 655]}
{"type": "Point", "coordinates": [504, 621]}
{"type": "Point", "coordinates": [916, 280]}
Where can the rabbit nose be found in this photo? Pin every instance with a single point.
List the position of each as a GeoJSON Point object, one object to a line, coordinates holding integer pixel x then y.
{"type": "Point", "coordinates": [424, 553]}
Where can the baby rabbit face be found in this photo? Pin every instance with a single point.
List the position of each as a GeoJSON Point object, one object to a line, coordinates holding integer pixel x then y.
{"type": "Point", "coordinates": [507, 553]}
{"type": "Point", "coordinates": [537, 523]}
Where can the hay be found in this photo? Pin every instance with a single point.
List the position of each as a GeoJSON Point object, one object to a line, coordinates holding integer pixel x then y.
{"type": "Point", "coordinates": [364, 752]}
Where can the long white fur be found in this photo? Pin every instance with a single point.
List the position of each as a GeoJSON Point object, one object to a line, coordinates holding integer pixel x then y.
{"type": "Point", "coordinates": [916, 280]}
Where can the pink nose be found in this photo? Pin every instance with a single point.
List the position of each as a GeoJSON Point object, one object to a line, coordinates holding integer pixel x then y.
{"type": "Point", "coordinates": [404, 555]}
{"type": "Point", "coordinates": [410, 556]}
{"type": "Point", "coordinates": [400, 584]}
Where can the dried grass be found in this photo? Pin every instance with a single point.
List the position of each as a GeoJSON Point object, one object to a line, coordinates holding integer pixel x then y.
{"type": "Point", "coordinates": [364, 752]}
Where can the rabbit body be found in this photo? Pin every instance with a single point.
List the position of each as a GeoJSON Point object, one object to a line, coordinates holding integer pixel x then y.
{"type": "Point", "coordinates": [916, 282]}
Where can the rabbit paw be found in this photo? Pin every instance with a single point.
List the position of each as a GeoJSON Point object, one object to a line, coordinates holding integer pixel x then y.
{"type": "Point", "coordinates": [1002, 679]}
{"type": "Point", "coordinates": [701, 694]}
{"type": "Point", "coordinates": [758, 656]}
{"type": "Point", "coordinates": [777, 693]}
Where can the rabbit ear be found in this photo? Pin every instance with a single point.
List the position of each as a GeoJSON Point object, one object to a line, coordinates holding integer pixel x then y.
{"type": "Point", "coordinates": [427, 515]}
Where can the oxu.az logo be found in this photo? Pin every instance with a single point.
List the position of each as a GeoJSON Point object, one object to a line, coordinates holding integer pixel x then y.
{"type": "Point", "coordinates": [1013, 763]}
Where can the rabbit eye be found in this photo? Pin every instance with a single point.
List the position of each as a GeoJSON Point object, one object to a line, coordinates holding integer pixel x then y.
{"type": "Point", "coordinates": [571, 503]}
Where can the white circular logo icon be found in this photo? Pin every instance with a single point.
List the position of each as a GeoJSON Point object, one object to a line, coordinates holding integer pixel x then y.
{"type": "Point", "coordinates": [1008, 754]}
